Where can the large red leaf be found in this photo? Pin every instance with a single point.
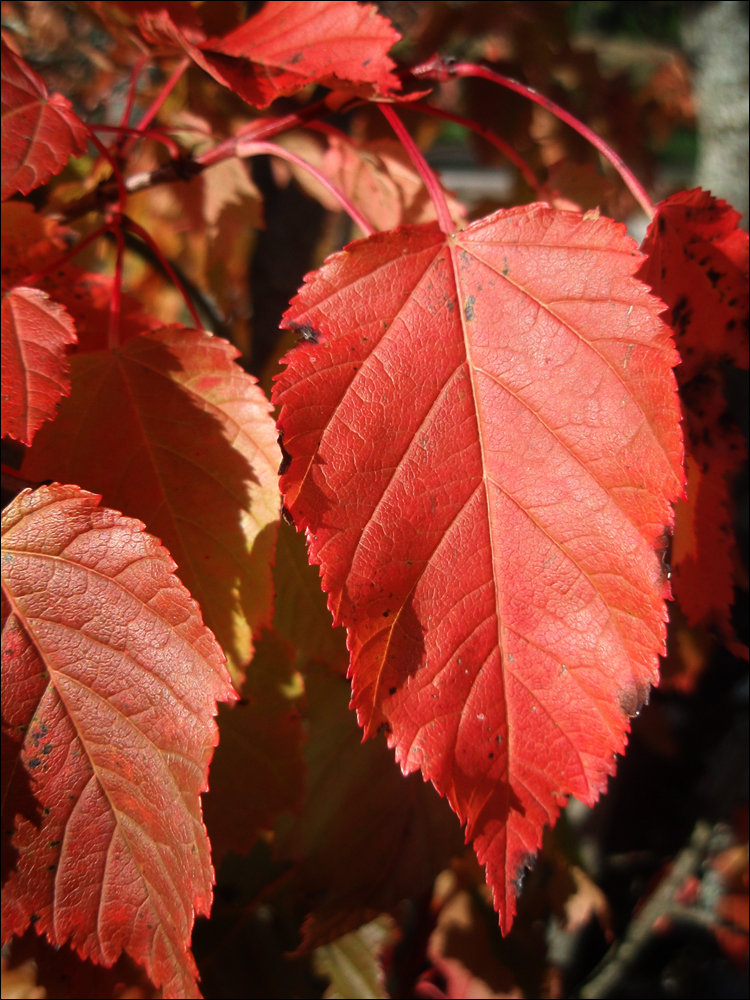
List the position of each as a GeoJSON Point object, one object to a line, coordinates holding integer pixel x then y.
{"type": "Point", "coordinates": [39, 132]}
{"type": "Point", "coordinates": [704, 548]}
{"type": "Point", "coordinates": [697, 263]}
{"type": "Point", "coordinates": [484, 440]}
{"type": "Point", "coordinates": [110, 684]}
{"type": "Point", "coordinates": [170, 430]}
{"type": "Point", "coordinates": [288, 45]}
{"type": "Point", "coordinates": [35, 332]}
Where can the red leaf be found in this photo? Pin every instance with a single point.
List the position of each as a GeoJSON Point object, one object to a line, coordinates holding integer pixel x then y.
{"type": "Point", "coordinates": [704, 548]}
{"type": "Point", "coordinates": [39, 133]}
{"type": "Point", "coordinates": [698, 264]}
{"type": "Point", "coordinates": [286, 46]}
{"type": "Point", "coordinates": [35, 333]}
{"type": "Point", "coordinates": [171, 431]}
{"type": "Point", "coordinates": [484, 441]}
{"type": "Point", "coordinates": [110, 683]}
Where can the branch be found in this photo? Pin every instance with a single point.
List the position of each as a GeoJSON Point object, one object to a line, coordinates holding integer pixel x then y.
{"type": "Point", "coordinates": [661, 904]}
{"type": "Point", "coordinates": [184, 168]}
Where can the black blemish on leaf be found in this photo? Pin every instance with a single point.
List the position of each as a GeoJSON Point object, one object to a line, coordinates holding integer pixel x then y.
{"type": "Point", "coordinates": [662, 224]}
{"type": "Point", "coordinates": [287, 516]}
{"type": "Point", "coordinates": [386, 613]}
{"type": "Point", "coordinates": [34, 763]}
{"type": "Point", "coordinates": [392, 690]}
{"type": "Point", "coordinates": [714, 276]}
{"type": "Point", "coordinates": [286, 458]}
{"type": "Point", "coordinates": [682, 314]}
{"type": "Point", "coordinates": [47, 748]}
{"type": "Point", "coordinates": [469, 309]}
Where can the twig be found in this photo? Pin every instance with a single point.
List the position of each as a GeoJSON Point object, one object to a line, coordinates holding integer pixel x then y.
{"type": "Point", "coordinates": [661, 904]}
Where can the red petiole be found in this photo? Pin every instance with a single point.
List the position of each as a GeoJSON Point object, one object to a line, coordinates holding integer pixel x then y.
{"type": "Point", "coordinates": [500, 144]}
{"type": "Point", "coordinates": [253, 148]}
{"type": "Point", "coordinates": [171, 145]}
{"type": "Point", "coordinates": [435, 69]}
{"type": "Point", "coordinates": [430, 180]}
{"type": "Point", "coordinates": [148, 239]}
{"type": "Point", "coordinates": [113, 334]}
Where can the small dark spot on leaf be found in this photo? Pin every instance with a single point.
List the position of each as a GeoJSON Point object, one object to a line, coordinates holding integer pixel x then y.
{"type": "Point", "coordinates": [286, 458]}
{"type": "Point", "coordinates": [392, 690]}
{"type": "Point", "coordinates": [385, 614]}
{"type": "Point", "coordinates": [286, 515]}
{"type": "Point", "coordinates": [469, 309]}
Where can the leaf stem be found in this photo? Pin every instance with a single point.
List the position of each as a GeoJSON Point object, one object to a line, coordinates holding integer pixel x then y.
{"type": "Point", "coordinates": [122, 190]}
{"type": "Point", "coordinates": [500, 144]}
{"type": "Point", "coordinates": [436, 69]}
{"type": "Point", "coordinates": [253, 148]}
{"type": "Point", "coordinates": [61, 261]}
{"type": "Point", "coordinates": [430, 180]}
{"type": "Point", "coordinates": [113, 333]}
{"type": "Point", "coordinates": [332, 131]}
{"type": "Point", "coordinates": [171, 145]}
{"type": "Point", "coordinates": [149, 241]}
{"type": "Point", "coordinates": [131, 92]}
{"type": "Point", "coordinates": [163, 94]}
